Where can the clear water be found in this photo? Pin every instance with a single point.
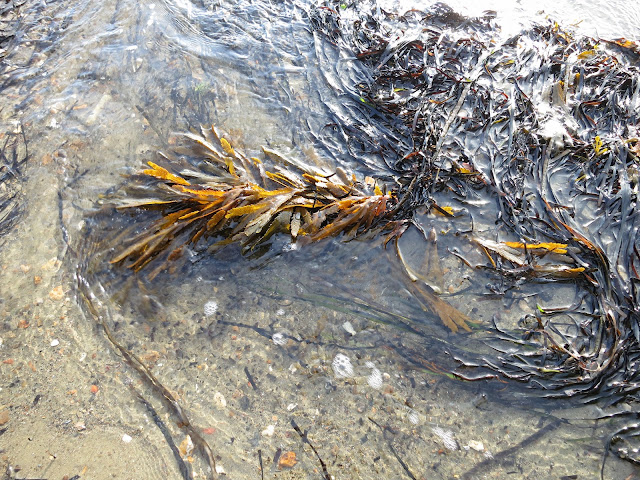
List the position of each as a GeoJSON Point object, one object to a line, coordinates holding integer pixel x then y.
{"type": "Point", "coordinates": [89, 89]}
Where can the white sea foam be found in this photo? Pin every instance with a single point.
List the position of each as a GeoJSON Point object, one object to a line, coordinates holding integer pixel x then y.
{"type": "Point", "coordinates": [342, 366]}
{"type": "Point", "coordinates": [447, 438]}
{"type": "Point", "coordinates": [210, 308]}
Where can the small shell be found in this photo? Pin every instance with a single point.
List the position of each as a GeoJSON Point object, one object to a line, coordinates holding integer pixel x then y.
{"type": "Point", "coordinates": [349, 328]}
{"type": "Point", "coordinates": [413, 417]}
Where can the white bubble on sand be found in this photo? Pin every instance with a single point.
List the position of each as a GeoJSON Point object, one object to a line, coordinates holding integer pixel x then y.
{"type": "Point", "coordinates": [413, 417]}
{"type": "Point", "coordinates": [210, 308]}
{"type": "Point", "coordinates": [375, 378]}
{"type": "Point", "coordinates": [447, 438]}
{"type": "Point", "coordinates": [342, 366]}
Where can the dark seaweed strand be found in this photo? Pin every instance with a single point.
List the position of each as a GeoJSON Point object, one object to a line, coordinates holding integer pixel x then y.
{"type": "Point", "coordinates": [305, 439]}
{"type": "Point", "coordinates": [418, 64]}
{"type": "Point", "coordinates": [185, 468]}
{"type": "Point", "coordinates": [13, 156]}
{"type": "Point", "coordinates": [132, 360]}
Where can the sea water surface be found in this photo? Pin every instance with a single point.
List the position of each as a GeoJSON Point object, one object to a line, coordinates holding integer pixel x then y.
{"type": "Point", "coordinates": [296, 363]}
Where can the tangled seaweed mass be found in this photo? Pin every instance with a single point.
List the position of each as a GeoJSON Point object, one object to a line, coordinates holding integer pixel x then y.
{"type": "Point", "coordinates": [544, 124]}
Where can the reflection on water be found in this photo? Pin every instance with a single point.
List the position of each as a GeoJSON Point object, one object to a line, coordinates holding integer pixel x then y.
{"type": "Point", "coordinates": [324, 338]}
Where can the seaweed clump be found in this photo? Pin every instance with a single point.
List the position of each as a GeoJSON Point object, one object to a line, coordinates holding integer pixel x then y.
{"type": "Point", "coordinates": [13, 156]}
{"type": "Point", "coordinates": [219, 196]}
{"type": "Point", "coordinates": [233, 197]}
{"type": "Point", "coordinates": [545, 125]}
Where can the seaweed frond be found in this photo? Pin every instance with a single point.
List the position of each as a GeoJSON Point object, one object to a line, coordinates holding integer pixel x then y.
{"type": "Point", "coordinates": [226, 197]}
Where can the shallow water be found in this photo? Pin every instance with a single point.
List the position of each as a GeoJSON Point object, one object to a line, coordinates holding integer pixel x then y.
{"type": "Point", "coordinates": [324, 336]}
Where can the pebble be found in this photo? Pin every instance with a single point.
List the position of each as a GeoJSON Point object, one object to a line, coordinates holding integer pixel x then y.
{"type": "Point", "coordinates": [269, 431]}
{"type": "Point", "coordinates": [278, 338]}
{"type": "Point", "coordinates": [287, 460]}
{"type": "Point", "coordinates": [4, 417]}
{"type": "Point", "coordinates": [55, 342]}
{"type": "Point", "coordinates": [57, 294]}
{"type": "Point", "coordinates": [126, 438]}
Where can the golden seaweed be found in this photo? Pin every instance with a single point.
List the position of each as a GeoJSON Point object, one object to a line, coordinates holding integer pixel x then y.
{"type": "Point", "coordinates": [223, 199]}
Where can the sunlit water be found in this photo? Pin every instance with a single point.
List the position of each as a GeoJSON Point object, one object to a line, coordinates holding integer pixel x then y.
{"type": "Point", "coordinates": [324, 335]}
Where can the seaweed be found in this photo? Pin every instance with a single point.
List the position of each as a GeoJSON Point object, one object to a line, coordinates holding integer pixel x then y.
{"type": "Point", "coordinates": [220, 196]}
{"type": "Point", "coordinates": [13, 156]}
{"type": "Point", "coordinates": [234, 197]}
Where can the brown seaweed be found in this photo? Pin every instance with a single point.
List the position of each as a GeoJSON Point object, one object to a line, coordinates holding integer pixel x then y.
{"type": "Point", "coordinates": [234, 199]}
